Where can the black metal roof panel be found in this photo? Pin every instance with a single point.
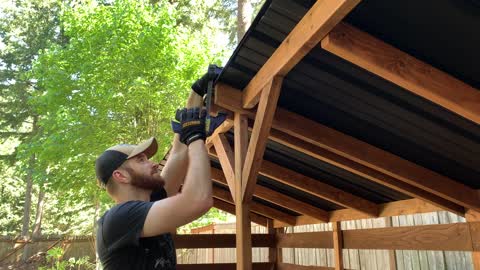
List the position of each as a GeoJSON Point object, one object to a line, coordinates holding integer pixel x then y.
{"type": "Point", "coordinates": [338, 94]}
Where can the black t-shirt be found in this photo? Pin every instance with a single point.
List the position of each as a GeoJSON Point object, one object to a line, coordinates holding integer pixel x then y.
{"type": "Point", "coordinates": [119, 245]}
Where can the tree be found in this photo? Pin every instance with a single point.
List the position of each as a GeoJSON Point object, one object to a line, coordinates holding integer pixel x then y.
{"type": "Point", "coordinates": [25, 27]}
{"type": "Point", "coordinates": [125, 70]}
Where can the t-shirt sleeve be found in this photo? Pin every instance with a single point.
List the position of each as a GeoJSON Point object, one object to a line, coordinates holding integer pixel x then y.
{"type": "Point", "coordinates": [124, 223]}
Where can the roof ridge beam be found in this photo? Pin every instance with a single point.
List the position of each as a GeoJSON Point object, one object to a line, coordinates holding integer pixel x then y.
{"type": "Point", "coordinates": [311, 29]}
{"type": "Point", "coordinates": [413, 75]}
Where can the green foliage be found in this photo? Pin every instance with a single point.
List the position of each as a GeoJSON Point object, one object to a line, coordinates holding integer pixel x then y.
{"type": "Point", "coordinates": [54, 259]}
{"type": "Point", "coordinates": [78, 77]}
{"type": "Point", "coordinates": [12, 193]}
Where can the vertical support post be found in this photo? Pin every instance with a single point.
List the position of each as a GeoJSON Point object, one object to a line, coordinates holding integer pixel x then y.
{"type": "Point", "coordinates": [337, 245]}
{"type": "Point", "coordinates": [242, 209]}
{"type": "Point", "coordinates": [272, 251]}
{"type": "Point", "coordinates": [279, 256]}
{"type": "Point", "coordinates": [391, 253]}
{"type": "Point", "coordinates": [473, 216]}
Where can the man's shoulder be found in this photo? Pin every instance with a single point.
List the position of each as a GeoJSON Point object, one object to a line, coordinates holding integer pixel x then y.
{"type": "Point", "coordinates": [125, 210]}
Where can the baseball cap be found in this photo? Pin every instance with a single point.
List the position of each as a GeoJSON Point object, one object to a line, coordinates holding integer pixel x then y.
{"type": "Point", "coordinates": [116, 155]}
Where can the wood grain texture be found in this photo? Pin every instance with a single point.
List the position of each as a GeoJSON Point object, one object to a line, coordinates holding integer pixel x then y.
{"type": "Point", "coordinates": [338, 245]}
{"type": "Point", "coordinates": [279, 199]}
{"type": "Point", "coordinates": [227, 160]}
{"type": "Point", "coordinates": [259, 136]}
{"type": "Point", "coordinates": [318, 21]}
{"type": "Point", "coordinates": [242, 210]}
{"type": "Point", "coordinates": [222, 266]}
{"type": "Point", "coordinates": [454, 236]}
{"type": "Point", "coordinates": [358, 157]}
{"type": "Point", "coordinates": [219, 240]}
{"type": "Point", "coordinates": [289, 266]}
{"type": "Point", "coordinates": [230, 208]}
{"type": "Point", "coordinates": [318, 188]}
{"type": "Point", "coordinates": [404, 70]}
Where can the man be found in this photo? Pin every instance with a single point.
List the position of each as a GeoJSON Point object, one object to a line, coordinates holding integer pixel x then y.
{"type": "Point", "coordinates": [135, 233]}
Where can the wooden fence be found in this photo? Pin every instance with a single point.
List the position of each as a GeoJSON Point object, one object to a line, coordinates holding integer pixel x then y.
{"type": "Point", "coordinates": [362, 259]}
{"type": "Point", "coordinates": [299, 247]}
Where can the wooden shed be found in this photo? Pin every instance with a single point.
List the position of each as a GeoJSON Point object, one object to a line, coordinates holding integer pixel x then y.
{"type": "Point", "coordinates": [343, 110]}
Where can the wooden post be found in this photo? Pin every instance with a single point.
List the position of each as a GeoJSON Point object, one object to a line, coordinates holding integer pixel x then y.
{"type": "Point", "coordinates": [391, 253]}
{"type": "Point", "coordinates": [472, 216]}
{"type": "Point", "coordinates": [337, 245]}
{"type": "Point", "coordinates": [273, 252]}
{"type": "Point", "coordinates": [244, 234]}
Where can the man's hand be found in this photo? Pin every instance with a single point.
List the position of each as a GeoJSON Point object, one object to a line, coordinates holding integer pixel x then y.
{"type": "Point", "coordinates": [192, 122]}
{"type": "Point", "coordinates": [201, 85]}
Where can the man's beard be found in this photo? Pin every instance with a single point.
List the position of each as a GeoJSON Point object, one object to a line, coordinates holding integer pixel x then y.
{"type": "Point", "coordinates": [152, 181]}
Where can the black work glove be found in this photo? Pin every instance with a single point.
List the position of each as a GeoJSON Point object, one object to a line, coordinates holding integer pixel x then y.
{"type": "Point", "coordinates": [192, 122]}
{"type": "Point", "coordinates": [201, 85]}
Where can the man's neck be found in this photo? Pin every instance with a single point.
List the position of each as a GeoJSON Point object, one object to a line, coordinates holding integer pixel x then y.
{"type": "Point", "coordinates": [133, 194]}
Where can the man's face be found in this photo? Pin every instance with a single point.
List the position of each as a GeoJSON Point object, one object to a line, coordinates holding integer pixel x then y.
{"type": "Point", "coordinates": [144, 173]}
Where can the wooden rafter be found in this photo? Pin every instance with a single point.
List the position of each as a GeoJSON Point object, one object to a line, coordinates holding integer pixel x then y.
{"type": "Point", "coordinates": [279, 199]}
{"type": "Point", "coordinates": [256, 207]}
{"type": "Point", "coordinates": [361, 157]}
{"type": "Point", "coordinates": [226, 158]}
{"type": "Point", "coordinates": [317, 188]}
{"type": "Point", "coordinates": [361, 170]}
{"type": "Point", "coordinates": [404, 70]}
{"type": "Point", "coordinates": [258, 139]}
{"type": "Point", "coordinates": [319, 20]}
{"type": "Point", "coordinates": [230, 208]}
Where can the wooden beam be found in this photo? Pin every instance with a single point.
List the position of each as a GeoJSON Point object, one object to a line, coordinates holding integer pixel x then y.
{"type": "Point", "coordinates": [280, 199]}
{"type": "Point", "coordinates": [317, 188]}
{"type": "Point", "coordinates": [242, 209]}
{"type": "Point", "coordinates": [403, 207]}
{"type": "Point", "coordinates": [219, 240]}
{"type": "Point", "coordinates": [222, 266]}
{"type": "Point", "coordinates": [223, 128]}
{"type": "Point", "coordinates": [318, 21]}
{"type": "Point", "coordinates": [474, 216]}
{"type": "Point", "coordinates": [305, 240]}
{"type": "Point", "coordinates": [404, 70]}
{"type": "Point", "coordinates": [364, 171]}
{"type": "Point", "coordinates": [289, 266]}
{"type": "Point", "coordinates": [227, 160]}
{"type": "Point", "coordinates": [454, 237]}
{"type": "Point", "coordinates": [272, 251]}
{"type": "Point", "coordinates": [361, 158]}
{"type": "Point", "coordinates": [338, 245]}
{"type": "Point", "coordinates": [259, 137]}
{"type": "Point", "coordinates": [230, 208]}
{"type": "Point", "coordinates": [256, 207]}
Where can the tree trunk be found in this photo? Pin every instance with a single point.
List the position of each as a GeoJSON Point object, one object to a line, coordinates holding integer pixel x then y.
{"type": "Point", "coordinates": [244, 15]}
{"type": "Point", "coordinates": [37, 227]}
{"type": "Point", "coordinates": [28, 198]}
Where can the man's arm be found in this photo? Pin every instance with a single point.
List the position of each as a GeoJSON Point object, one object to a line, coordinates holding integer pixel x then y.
{"type": "Point", "coordinates": [174, 171]}
{"type": "Point", "coordinates": [194, 200]}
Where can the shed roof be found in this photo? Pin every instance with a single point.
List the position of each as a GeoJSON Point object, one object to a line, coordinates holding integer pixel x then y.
{"type": "Point", "coordinates": [371, 114]}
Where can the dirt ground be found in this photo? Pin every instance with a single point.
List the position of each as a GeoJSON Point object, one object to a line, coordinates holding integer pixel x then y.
{"type": "Point", "coordinates": [31, 264]}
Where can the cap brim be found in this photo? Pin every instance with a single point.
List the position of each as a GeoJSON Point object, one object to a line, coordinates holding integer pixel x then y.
{"type": "Point", "coordinates": [148, 147]}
